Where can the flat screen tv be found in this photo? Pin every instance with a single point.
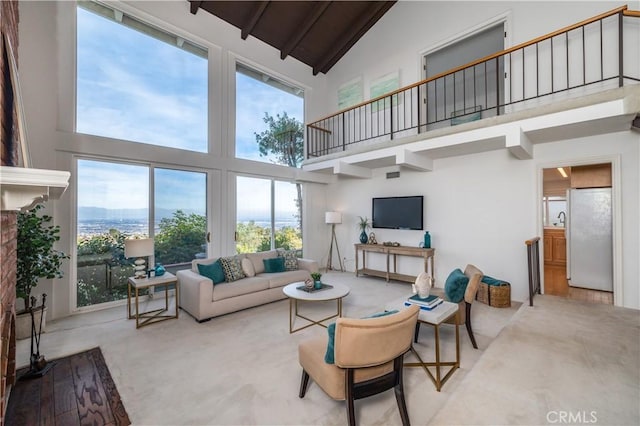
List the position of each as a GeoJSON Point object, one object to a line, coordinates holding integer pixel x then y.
{"type": "Point", "coordinates": [398, 212]}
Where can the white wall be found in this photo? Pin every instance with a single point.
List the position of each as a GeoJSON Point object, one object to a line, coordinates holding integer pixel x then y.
{"type": "Point", "coordinates": [479, 208]}
{"type": "Point", "coordinates": [482, 208]}
{"type": "Point", "coordinates": [395, 43]}
{"type": "Point", "coordinates": [47, 71]}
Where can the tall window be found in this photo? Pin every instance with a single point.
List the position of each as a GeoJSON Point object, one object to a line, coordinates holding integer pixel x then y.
{"type": "Point", "coordinates": [138, 83]}
{"type": "Point", "coordinates": [114, 204]}
{"type": "Point", "coordinates": [269, 119]}
{"type": "Point", "coordinates": [267, 215]}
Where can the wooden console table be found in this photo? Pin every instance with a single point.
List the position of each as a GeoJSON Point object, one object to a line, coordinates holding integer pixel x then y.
{"type": "Point", "coordinates": [426, 254]}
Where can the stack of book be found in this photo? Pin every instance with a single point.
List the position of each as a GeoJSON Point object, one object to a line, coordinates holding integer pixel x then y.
{"type": "Point", "coordinates": [428, 303]}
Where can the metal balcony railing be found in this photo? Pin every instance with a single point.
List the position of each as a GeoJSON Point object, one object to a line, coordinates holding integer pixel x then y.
{"type": "Point", "coordinates": [583, 58]}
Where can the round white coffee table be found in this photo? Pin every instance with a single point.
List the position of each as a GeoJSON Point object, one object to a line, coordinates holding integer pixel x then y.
{"type": "Point", "coordinates": [337, 292]}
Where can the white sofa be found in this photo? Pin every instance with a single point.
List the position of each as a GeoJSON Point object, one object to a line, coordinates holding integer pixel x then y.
{"type": "Point", "coordinates": [203, 300]}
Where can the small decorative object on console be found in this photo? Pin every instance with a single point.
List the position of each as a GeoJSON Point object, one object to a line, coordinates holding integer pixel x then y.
{"type": "Point", "coordinates": [372, 238]}
{"type": "Point", "coordinates": [422, 285]}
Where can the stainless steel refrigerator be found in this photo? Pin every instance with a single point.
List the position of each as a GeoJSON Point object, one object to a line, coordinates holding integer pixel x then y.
{"type": "Point", "coordinates": [589, 238]}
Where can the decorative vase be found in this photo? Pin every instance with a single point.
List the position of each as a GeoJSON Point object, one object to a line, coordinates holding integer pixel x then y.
{"type": "Point", "coordinates": [427, 240]}
{"type": "Point", "coordinates": [363, 237]}
{"type": "Point", "coordinates": [317, 284]}
{"type": "Point", "coordinates": [160, 270]}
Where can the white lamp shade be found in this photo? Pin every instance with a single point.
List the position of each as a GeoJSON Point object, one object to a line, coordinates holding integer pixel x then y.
{"type": "Point", "coordinates": [138, 248]}
{"type": "Point", "coordinates": [333, 217]}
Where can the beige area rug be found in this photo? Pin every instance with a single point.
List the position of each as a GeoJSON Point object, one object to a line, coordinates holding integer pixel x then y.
{"type": "Point", "coordinates": [559, 362]}
{"type": "Point", "coordinates": [242, 368]}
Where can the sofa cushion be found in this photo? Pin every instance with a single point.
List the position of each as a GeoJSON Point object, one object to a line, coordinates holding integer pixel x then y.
{"type": "Point", "coordinates": [456, 285]}
{"type": "Point", "coordinates": [247, 267]}
{"type": "Point", "coordinates": [281, 279]}
{"type": "Point", "coordinates": [232, 268]}
{"type": "Point", "coordinates": [239, 288]}
{"type": "Point", "coordinates": [213, 271]}
{"type": "Point", "coordinates": [273, 265]}
{"type": "Point", "coordinates": [256, 259]}
{"type": "Point", "coordinates": [290, 259]}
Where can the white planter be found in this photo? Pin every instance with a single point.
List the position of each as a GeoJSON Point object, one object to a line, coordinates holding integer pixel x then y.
{"type": "Point", "coordinates": [23, 323]}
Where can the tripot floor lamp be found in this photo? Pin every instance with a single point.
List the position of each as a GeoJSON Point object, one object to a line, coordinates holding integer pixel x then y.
{"type": "Point", "coordinates": [333, 218]}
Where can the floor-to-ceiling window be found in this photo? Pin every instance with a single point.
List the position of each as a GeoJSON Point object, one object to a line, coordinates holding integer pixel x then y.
{"type": "Point", "coordinates": [115, 203]}
{"type": "Point", "coordinates": [267, 215]}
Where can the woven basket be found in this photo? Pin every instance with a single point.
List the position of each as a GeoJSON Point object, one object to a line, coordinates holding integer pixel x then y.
{"type": "Point", "coordinates": [498, 296]}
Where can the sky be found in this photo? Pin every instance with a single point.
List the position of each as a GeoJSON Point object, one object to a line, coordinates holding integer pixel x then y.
{"type": "Point", "coordinates": [134, 87]}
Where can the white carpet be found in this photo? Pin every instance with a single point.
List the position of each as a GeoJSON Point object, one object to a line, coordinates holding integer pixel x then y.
{"type": "Point", "coordinates": [242, 368]}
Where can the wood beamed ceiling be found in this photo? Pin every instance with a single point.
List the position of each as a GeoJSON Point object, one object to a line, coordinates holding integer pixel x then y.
{"type": "Point", "coordinates": [317, 33]}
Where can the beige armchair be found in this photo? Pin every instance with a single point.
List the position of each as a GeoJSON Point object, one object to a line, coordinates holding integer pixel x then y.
{"type": "Point", "coordinates": [368, 359]}
{"type": "Point", "coordinates": [475, 276]}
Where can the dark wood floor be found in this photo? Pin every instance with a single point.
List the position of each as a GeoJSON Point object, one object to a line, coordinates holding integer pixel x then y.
{"type": "Point", "coordinates": [77, 390]}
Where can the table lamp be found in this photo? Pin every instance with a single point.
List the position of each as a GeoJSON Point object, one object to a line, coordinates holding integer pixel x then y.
{"type": "Point", "coordinates": [333, 218]}
{"type": "Point", "coordinates": [140, 249]}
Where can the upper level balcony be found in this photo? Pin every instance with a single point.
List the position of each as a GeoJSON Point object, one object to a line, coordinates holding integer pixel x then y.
{"type": "Point", "coordinates": [578, 81]}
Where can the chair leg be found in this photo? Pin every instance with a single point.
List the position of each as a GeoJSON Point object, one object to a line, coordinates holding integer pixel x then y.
{"type": "Point", "coordinates": [351, 413]}
{"type": "Point", "coordinates": [304, 382]}
{"type": "Point", "coordinates": [399, 391]}
{"type": "Point", "coordinates": [417, 332]}
{"type": "Point", "coordinates": [468, 325]}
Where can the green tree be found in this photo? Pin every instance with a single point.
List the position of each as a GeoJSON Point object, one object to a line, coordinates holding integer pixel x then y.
{"type": "Point", "coordinates": [252, 238]}
{"type": "Point", "coordinates": [180, 237]}
{"type": "Point", "coordinates": [288, 238]}
{"type": "Point", "coordinates": [285, 140]}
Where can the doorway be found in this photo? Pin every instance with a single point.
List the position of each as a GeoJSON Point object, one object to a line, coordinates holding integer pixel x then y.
{"type": "Point", "coordinates": [578, 254]}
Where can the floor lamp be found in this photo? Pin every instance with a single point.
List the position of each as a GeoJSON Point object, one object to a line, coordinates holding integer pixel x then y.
{"type": "Point", "coordinates": [333, 218]}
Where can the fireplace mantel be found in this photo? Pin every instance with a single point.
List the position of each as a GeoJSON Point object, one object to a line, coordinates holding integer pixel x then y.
{"type": "Point", "coordinates": [22, 188]}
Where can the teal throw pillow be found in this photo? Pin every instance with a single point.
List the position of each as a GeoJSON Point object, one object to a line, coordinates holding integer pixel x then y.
{"type": "Point", "coordinates": [275, 264]}
{"type": "Point", "coordinates": [212, 271]}
{"type": "Point", "coordinates": [491, 281]}
{"type": "Point", "coordinates": [456, 285]}
{"type": "Point", "coordinates": [232, 267]}
{"type": "Point", "coordinates": [331, 330]}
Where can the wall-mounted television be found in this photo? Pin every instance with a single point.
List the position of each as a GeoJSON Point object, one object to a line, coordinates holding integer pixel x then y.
{"type": "Point", "coordinates": [398, 212]}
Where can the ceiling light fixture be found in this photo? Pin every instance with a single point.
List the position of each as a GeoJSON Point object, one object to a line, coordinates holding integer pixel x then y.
{"type": "Point", "coordinates": [562, 172]}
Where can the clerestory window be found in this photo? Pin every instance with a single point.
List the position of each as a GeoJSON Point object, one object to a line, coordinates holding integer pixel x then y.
{"type": "Point", "coordinates": [139, 83]}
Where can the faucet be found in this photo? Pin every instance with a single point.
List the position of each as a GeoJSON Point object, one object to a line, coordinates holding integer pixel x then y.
{"type": "Point", "coordinates": [563, 217]}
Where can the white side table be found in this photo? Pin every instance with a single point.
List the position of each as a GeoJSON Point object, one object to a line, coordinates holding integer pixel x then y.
{"type": "Point", "coordinates": [156, 315]}
{"type": "Point", "coordinates": [336, 293]}
{"type": "Point", "coordinates": [435, 317]}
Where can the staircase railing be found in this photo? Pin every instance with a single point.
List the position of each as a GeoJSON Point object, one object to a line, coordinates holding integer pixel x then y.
{"type": "Point", "coordinates": [533, 261]}
{"type": "Point", "coordinates": [579, 59]}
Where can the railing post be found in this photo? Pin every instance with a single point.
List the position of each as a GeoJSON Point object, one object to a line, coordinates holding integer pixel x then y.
{"type": "Point", "coordinates": [308, 143]}
{"type": "Point", "coordinates": [498, 86]}
{"type": "Point", "coordinates": [620, 50]}
{"type": "Point", "coordinates": [391, 117]}
{"type": "Point", "coordinates": [344, 136]}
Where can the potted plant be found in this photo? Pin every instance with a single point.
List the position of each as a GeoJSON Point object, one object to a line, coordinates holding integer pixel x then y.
{"type": "Point", "coordinates": [363, 225]}
{"type": "Point", "coordinates": [316, 279]}
{"type": "Point", "coordinates": [36, 258]}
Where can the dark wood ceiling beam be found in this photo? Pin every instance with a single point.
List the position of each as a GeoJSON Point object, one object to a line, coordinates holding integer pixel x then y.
{"type": "Point", "coordinates": [255, 17]}
{"type": "Point", "coordinates": [351, 36]}
{"type": "Point", "coordinates": [195, 5]}
{"type": "Point", "coordinates": [311, 19]}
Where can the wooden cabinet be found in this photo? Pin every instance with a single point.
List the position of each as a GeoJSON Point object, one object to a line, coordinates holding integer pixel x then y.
{"type": "Point", "coordinates": [555, 262]}
{"type": "Point", "coordinates": [555, 247]}
{"type": "Point", "coordinates": [392, 252]}
{"type": "Point", "coordinates": [592, 176]}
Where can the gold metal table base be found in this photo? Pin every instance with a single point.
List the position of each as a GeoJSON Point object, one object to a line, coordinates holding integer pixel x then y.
{"type": "Point", "coordinates": [438, 380]}
{"type": "Point", "coordinates": [294, 313]}
{"type": "Point", "coordinates": [155, 315]}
